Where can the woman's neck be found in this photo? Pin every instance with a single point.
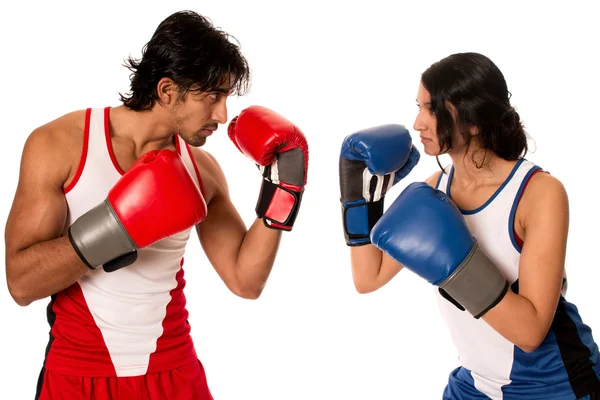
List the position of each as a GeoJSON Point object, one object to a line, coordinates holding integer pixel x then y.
{"type": "Point", "coordinates": [479, 168]}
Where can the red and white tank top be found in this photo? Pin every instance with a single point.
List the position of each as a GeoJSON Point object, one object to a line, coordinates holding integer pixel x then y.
{"type": "Point", "coordinates": [132, 321]}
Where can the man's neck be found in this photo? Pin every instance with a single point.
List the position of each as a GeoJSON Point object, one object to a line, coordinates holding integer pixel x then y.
{"type": "Point", "coordinates": [143, 131]}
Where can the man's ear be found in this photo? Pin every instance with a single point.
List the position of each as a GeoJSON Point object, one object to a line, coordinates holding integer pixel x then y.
{"type": "Point", "coordinates": [166, 91]}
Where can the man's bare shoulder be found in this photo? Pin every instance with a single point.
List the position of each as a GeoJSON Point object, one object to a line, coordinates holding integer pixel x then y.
{"type": "Point", "coordinates": [56, 144]}
{"type": "Point", "coordinates": [62, 131]}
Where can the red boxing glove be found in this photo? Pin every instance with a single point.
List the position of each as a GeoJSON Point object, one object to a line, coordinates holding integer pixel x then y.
{"type": "Point", "coordinates": [280, 149]}
{"type": "Point", "coordinates": [156, 198]}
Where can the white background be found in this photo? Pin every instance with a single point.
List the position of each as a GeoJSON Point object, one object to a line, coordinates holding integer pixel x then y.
{"type": "Point", "coordinates": [332, 68]}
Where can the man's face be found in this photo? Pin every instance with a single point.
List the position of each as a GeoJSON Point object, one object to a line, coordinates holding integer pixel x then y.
{"type": "Point", "coordinates": [196, 115]}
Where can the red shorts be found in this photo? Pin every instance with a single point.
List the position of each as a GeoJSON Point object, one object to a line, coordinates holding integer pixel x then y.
{"type": "Point", "coordinates": [184, 383]}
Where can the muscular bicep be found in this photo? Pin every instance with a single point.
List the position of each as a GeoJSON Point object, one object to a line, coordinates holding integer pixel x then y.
{"type": "Point", "coordinates": [39, 209]}
{"type": "Point", "coordinates": [222, 232]}
{"type": "Point", "coordinates": [541, 267]}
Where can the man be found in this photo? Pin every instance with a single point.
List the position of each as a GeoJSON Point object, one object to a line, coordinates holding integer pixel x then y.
{"type": "Point", "coordinates": [105, 204]}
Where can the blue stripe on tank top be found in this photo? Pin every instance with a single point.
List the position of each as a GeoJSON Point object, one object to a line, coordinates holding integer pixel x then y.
{"type": "Point", "coordinates": [496, 193]}
{"type": "Point", "coordinates": [513, 210]}
{"type": "Point", "coordinates": [564, 366]}
{"type": "Point", "coordinates": [461, 386]}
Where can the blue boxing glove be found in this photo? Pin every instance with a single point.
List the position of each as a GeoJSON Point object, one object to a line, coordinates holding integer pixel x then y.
{"type": "Point", "coordinates": [425, 231]}
{"type": "Point", "coordinates": [371, 162]}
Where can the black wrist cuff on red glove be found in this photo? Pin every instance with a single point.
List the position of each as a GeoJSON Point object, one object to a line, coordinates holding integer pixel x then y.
{"type": "Point", "coordinates": [278, 206]}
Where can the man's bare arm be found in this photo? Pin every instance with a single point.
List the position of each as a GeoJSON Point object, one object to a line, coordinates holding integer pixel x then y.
{"type": "Point", "coordinates": [242, 257]}
{"type": "Point", "coordinates": [39, 262]}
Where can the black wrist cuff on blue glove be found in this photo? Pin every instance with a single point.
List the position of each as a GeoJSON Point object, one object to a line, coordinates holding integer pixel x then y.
{"type": "Point", "coordinates": [359, 218]}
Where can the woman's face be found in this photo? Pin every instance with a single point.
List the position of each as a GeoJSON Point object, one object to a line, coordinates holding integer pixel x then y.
{"type": "Point", "coordinates": [426, 123]}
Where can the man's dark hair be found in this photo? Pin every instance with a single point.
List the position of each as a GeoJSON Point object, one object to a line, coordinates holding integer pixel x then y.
{"type": "Point", "coordinates": [188, 49]}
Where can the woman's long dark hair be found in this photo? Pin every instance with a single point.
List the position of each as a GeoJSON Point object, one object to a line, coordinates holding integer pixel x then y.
{"type": "Point", "coordinates": [477, 90]}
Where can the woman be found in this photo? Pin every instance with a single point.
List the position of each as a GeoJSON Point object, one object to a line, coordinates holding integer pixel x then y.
{"type": "Point", "coordinates": [490, 232]}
